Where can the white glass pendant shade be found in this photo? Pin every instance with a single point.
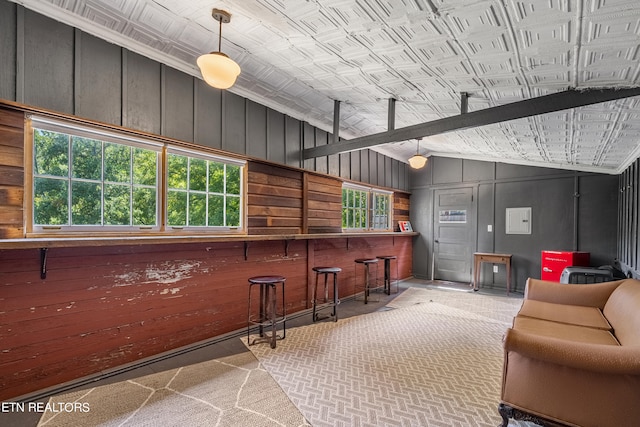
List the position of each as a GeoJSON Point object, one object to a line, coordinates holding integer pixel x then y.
{"type": "Point", "coordinates": [218, 70]}
{"type": "Point", "coordinates": [417, 161]}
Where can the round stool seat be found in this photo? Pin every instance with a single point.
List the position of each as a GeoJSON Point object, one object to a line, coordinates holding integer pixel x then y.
{"type": "Point", "coordinates": [265, 280]}
{"type": "Point", "coordinates": [327, 269]}
{"type": "Point", "coordinates": [366, 260]}
{"type": "Point", "coordinates": [387, 257]}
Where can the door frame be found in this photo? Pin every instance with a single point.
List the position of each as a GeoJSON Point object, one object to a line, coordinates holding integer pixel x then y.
{"type": "Point", "coordinates": [473, 244]}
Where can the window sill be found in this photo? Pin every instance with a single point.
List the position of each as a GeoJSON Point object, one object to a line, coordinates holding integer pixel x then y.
{"type": "Point", "coordinates": [71, 242]}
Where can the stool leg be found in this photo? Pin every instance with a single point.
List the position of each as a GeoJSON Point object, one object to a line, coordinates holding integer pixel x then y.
{"type": "Point", "coordinates": [397, 276]}
{"type": "Point", "coordinates": [263, 313]}
{"type": "Point", "coordinates": [387, 276]}
{"type": "Point", "coordinates": [315, 297]}
{"type": "Point", "coordinates": [284, 313]}
{"type": "Point", "coordinates": [366, 283]}
{"type": "Point", "coordinates": [249, 316]}
{"type": "Point", "coordinates": [272, 291]}
{"type": "Point", "coordinates": [335, 297]}
{"type": "Point", "coordinates": [326, 288]}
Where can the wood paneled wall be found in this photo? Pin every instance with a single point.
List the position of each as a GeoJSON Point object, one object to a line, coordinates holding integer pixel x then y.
{"type": "Point", "coordinates": [401, 203]}
{"type": "Point", "coordinates": [11, 174]}
{"type": "Point", "coordinates": [322, 204]}
{"type": "Point", "coordinates": [274, 199]}
{"type": "Point", "coordinates": [103, 307]}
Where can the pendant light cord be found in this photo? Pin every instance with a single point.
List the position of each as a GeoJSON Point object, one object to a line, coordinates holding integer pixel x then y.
{"type": "Point", "coordinates": [220, 36]}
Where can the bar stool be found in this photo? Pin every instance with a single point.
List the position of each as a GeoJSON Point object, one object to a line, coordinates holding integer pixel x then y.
{"type": "Point", "coordinates": [388, 280]}
{"type": "Point", "coordinates": [268, 314]}
{"type": "Point", "coordinates": [326, 271]}
{"type": "Point", "coordinates": [366, 262]}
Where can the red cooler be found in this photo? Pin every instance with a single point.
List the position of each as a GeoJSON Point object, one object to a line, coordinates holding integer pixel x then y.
{"type": "Point", "coordinates": [553, 262]}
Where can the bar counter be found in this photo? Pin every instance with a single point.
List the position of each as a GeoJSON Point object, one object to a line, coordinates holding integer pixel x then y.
{"type": "Point", "coordinates": [75, 308]}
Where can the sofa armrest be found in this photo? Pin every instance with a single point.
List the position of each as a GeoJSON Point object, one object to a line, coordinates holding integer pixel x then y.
{"type": "Point", "coordinates": [593, 295]}
{"type": "Point", "coordinates": [607, 359]}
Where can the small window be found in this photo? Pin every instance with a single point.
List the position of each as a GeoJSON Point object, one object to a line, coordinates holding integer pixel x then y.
{"type": "Point", "coordinates": [381, 208]}
{"type": "Point", "coordinates": [354, 209]}
{"type": "Point", "coordinates": [365, 208]}
{"type": "Point", "coordinates": [203, 191]}
{"type": "Point", "coordinates": [84, 180]}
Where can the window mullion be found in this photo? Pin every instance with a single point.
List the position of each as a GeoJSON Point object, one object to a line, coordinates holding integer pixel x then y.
{"type": "Point", "coordinates": [69, 181]}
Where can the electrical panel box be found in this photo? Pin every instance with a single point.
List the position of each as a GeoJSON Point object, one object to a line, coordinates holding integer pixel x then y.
{"type": "Point", "coordinates": [554, 262]}
{"type": "Point", "coordinates": [518, 221]}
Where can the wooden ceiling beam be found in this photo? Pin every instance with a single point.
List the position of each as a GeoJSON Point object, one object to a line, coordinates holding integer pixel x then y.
{"type": "Point", "coordinates": [502, 113]}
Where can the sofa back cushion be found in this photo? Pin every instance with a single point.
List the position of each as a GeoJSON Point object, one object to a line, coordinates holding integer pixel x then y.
{"type": "Point", "coordinates": [590, 317]}
{"type": "Point", "coordinates": [622, 310]}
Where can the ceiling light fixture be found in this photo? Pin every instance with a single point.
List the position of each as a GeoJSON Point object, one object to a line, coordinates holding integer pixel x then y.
{"type": "Point", "coordinates": [417, 161]}
{"type": "Point", "coordinates": [217, 69]}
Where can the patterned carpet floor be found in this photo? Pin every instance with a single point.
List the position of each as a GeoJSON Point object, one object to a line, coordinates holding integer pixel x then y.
{"type": "Point", "coordinates": [432, 358]}
{"type": "Point", "coordinates": [429, 358]}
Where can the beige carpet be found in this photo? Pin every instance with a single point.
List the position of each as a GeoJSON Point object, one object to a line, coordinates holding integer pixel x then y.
{"type": "Point", "coordinates": [434, 358]}
{"type": "Point", "coordinates": [231, 391]}
{"type": "Point", "coordinates": [430, 358]}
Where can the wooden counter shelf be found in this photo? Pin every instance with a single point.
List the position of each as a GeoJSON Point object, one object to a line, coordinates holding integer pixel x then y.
{"type": "Point", "coordinates": [74, 242]}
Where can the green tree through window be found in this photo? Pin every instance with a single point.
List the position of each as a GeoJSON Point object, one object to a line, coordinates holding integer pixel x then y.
{"type": "Point", "coordinates": [202, 192]}
{"type": "Point", "coordinates": [365, 209]}
{"type": "Point", "coordinates": [81, 181]}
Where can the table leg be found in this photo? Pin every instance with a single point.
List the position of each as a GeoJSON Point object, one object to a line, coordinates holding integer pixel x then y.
{"type": "Point", "coordinates": [508, 276]}
{"type": "Point", "coordinates": [476, 273]}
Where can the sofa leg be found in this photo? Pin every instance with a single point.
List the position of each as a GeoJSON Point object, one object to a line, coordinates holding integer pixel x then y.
{"type": "Point", "coordinates": [506, 412]}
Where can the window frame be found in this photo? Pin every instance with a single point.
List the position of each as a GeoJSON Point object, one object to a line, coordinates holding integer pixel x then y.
{"type": "Point", "coordinates": [159, 145]}
{"type": "Point", "coordinates": [371, 194]}
{"type": "Point", "coordinates": [209, 158]}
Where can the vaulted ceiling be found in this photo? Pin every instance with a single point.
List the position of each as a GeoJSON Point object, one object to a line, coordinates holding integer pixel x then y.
{"type": "Point", "coordinates": [300, 56]}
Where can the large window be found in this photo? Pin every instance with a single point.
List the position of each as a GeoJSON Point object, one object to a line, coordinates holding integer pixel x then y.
{"type": "Point", "coordinates": [86, 179]}
{"type": "Point", "coordinates": [365, 208]}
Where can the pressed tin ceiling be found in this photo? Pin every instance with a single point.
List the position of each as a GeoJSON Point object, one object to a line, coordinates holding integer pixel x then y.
{"type": "Point", "coordinates": [299, 56]}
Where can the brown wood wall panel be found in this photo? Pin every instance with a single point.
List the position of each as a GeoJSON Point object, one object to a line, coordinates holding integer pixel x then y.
{"type": "Point", "coordinates": [343, 252]}
{"type": "Point", "coordinates": [401, 203]}
{"type": "Point", "coordinates": [322, 204]}
{"type": "Point", "coordinates": [101, 307]}
{"type": "Point", "coordinates": [11, 173]}
{"type": "Point", "coordinates": [274, 199]}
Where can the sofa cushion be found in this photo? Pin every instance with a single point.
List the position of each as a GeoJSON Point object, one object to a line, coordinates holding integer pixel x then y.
{"type": "Point", "coordinates": [623, 312]}
{"type": "Point", "coordinates": [579, 315]}
{"type": "Point", "coordinates": [564, 331]}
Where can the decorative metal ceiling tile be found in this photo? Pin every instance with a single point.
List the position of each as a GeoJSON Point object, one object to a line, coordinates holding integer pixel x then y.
{"type": "Point", "coordinates": [298, 56]}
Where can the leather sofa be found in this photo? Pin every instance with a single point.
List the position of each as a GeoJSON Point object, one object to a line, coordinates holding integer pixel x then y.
{"type": "Point", "coordinates": [572, 356]}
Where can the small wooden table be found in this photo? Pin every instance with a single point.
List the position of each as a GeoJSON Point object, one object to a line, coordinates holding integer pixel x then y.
{"type": "Point", "coordinates": [480, 257]}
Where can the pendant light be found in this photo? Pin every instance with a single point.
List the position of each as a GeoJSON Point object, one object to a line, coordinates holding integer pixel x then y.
{"type": "Point", "coordinates": [217, 69]}
{"type": "Point", "coordinates": [417, 161]}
